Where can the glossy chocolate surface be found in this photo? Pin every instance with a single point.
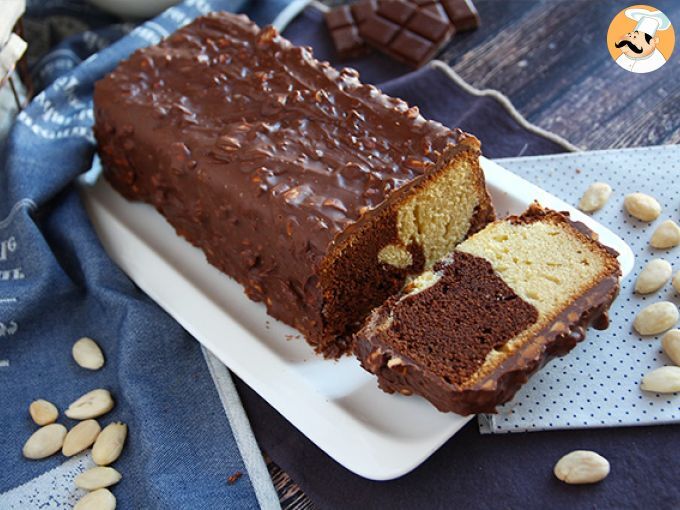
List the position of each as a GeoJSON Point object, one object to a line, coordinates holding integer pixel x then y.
{"type": "Point", "coordinates": [259, 154]}
{"type": "Point", "coordinates": [266, 122]}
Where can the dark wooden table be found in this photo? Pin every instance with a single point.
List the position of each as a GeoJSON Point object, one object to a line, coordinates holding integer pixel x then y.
{"type": "Point", "coordinates": [550, 58]}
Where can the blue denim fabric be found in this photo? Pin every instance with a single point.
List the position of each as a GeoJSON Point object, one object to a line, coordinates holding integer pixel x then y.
{"type": "Point", "coordinates": [57, 285]}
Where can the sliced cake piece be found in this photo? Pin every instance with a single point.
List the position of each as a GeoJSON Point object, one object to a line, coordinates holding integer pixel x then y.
{"type": "Point", "coordinates": [467, 334]}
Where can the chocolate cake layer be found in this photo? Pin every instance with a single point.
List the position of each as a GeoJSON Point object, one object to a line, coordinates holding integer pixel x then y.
{"type": "Point", "coordinates": [469, 301]}
{"type": "Point", "coordinates": [468, 351]}
{"type": "Point", "coordinates": [285, 171]}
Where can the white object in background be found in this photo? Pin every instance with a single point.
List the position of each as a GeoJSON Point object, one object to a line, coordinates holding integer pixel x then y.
{"type": "Point", "coordinates": [134, 8]}
{"type": "Point", "coordinates": [648, 21]}
{"type": "Point", "coordinates": [8, 105]}
{"type": "Point", "coordinates": [336, 404]}
{"type": "Point", "coordinates": [12, 10]}
{"type": "Point", "coordinates": [10, 54]}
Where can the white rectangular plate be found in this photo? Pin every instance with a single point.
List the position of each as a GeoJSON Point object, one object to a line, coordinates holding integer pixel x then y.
{"type": "Point", "coordinates": [336, 404]}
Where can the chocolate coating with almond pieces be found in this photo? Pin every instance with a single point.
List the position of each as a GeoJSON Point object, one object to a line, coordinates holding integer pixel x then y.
{"type": "Point", "coordinates": [258, 153]}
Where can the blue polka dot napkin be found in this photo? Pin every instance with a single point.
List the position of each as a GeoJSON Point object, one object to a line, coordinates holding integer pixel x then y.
{"type": "Point", "coordinates": [598, 383]}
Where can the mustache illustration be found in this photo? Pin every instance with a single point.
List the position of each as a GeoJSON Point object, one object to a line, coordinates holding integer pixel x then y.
{"type": "Point", "coordinates": [626, 42]}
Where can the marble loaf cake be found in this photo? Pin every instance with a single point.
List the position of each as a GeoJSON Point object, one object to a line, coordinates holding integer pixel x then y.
{"type": "Point", "coordinates": [319, 194]}
{"type": "Point", "coordinates": [467, 334]}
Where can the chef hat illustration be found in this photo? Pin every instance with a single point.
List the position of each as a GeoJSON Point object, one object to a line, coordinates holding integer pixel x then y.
{"type": "Point", "coordinates": [648, 21]}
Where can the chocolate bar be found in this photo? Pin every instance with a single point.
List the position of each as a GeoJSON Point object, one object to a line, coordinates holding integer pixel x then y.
{"type": "Point", "coordinates": [407, 31]}
{"type": "Point", "coordinates": [462, 13]}
{"type": "Point", "coordinates": [343, 23]}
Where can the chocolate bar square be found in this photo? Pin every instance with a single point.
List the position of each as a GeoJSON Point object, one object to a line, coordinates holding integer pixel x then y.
{"type": "Point", "coordinates": [343, 24]}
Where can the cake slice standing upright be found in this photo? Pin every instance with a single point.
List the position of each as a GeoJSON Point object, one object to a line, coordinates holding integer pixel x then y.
{"type": "Point", "coordinates": [467, 334]}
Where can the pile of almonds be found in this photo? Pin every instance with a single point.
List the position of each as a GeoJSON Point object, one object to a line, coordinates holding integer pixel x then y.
{"type": "Point", "coordinates": [640, 206]}
{"type": "Point", "coordinates": [659, 317]}
{"type": "Point", "coordinates": [582, 466]}
{"type": "Point", "coordinates": [107, 443]}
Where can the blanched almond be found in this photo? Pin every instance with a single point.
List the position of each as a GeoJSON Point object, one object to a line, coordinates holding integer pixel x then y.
{"type": "Point", "coordinates": [97, 478]}
{"type": "Point", "coordinates": [662, 380]}
{"type": "Point", "coordinates": [92, 404]}
{"type": "Point", "coordinates": [595, 197]}
{"type": "Point", "coordinates": [654, 276]}
{"type": "Point", "coordinates": [666, 235]}
{"type": "Point", "coordinates": [43, 412]}
{"type": "Point", "coordinates": [676, 282]}
{"type": "Point", "coordinates": [87, 354]}
{"type": "Point", "coordinates": [641, 206]}
{"type": "Point", "coordinates": [109, 444]}
{"type": "Point", "coordinates": [671, 345]}
{"type": "Point", "coordinates": [80, 437]}
{"type": "Point", "coordinates": [101, 499]}
{"type": "Point", "coordinates": [656, 318]}
{"type": "Point", "coordinates": [45, 441]}
{"type": "Point", "coordinates": [582, 466]}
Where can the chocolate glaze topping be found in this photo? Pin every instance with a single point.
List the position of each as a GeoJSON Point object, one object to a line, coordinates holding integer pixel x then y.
{"type": "Point", "coordinates": [265, 119]}
{"type": "Point", "coordinates": [261, 155]}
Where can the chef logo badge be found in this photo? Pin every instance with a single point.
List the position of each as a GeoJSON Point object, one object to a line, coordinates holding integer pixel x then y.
{"type": "Point", "coordinates": [641, 39]}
